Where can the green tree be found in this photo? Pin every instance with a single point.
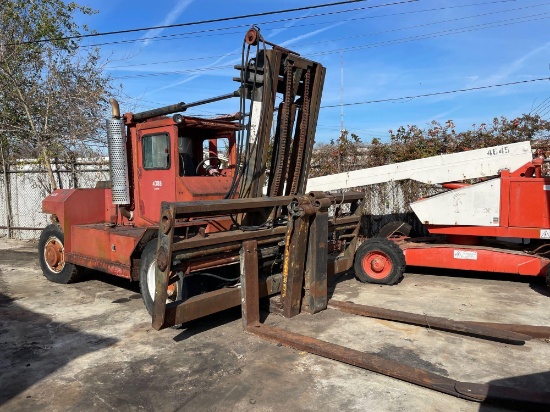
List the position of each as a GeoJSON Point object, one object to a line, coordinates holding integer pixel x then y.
{"type": "Point", "coordinates": [52, 94]}
{"type": "Point", "coordinates": [411, 142]}
{"type": "Point", "coordinates": [340, 155]}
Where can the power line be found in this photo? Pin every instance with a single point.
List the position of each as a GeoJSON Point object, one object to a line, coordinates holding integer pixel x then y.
{"type": "Point", "coordinates": [437, 22]}
{"type": "Point", "coordinates": [436, 34]}
{"type": "Point", "coordinates": [542, 106]}
{"type": "Point", "coordinates": [176, 36]}
{"type": "Point", "coordinates": [437, 93]}
{"type": "Point", "coordinates": [202, 69]}
{"type": "Point", "coordinates": [392, 99]}
{"type": "Point", "coordinates": [195, 23]}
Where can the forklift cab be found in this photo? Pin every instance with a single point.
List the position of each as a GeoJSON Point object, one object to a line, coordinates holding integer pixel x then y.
{"type": "Point", "coordinates": [189, 161]}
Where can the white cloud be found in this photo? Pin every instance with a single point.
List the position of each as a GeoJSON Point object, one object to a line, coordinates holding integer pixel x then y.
{"type": "Point", "coordinates": [170, 18]}
{"type": "Point", "coordinates": [509, 69]}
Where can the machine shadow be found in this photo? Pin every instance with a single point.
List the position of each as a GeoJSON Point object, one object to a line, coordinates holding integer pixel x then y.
{"type": "Point", "coordinates": [91, 274]}
{"type": "Point", "coordinates": [198, 326]}
{"type": "Point", "coordinates": [537, 382]}
{"type": "Point", "coordinates": [33, 347]}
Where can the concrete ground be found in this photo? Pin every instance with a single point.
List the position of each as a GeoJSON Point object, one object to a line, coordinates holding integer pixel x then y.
{"type": "Point", "coordinates": [90, 346]}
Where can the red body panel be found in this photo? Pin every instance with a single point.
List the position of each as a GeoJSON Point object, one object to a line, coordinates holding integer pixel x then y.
{"type": "Point", "coordinates": [154, 186]}
{"type": "Point", "coordinates": [104, 248]}
{"type": "Point", "coordinates": [529, 202]}
{"type": "Point", "coordinates": [476, 258]}
{"type": "Point", "coordinates": [78, 206]}
{"type": "Point", "coordinates": [202, 187]}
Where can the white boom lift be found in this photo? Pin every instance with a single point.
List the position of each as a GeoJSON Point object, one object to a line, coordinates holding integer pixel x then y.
{"type": "Point", "coordinates": [501, 224]}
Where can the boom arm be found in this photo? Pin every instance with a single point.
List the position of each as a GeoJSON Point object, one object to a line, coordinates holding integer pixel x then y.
{"type": "Point", "coordinates": [432, 170]}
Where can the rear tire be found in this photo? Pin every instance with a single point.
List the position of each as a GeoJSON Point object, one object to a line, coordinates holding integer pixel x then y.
{"type": "Point", "coordinates": [396, 229]}
{"type": "Point", "coordinates": [51, 253]}
{"type": "Point", "coordinates": [379, 260]}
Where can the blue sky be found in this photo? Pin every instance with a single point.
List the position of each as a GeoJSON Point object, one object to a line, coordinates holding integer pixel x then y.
{"type": "Point", "coordinates": [388, 51]}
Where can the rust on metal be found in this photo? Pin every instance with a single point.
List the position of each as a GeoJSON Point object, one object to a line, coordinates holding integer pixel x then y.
{"type": "Point", "coordinates": [502, 393]}
{"type": "Point", "coordinates": [252, 36]}
{"type": "Point", "coordinates": [225, 206]}
{"type": "Point", "coordinates": [165, 222]}
{"type": "Point", "coordinates": [162, 259]}
{"type": "Point", "coordinates": [372, 362]}
{"type": "Point", "coordinates": [53, 254]}
{"type": "Point", "coordinates": [117, 269]}
{"type": "Point", "coordinates": [249, 292]}
{"type": "Point", "coordinates": [315, 277]}
{"type": "Point", "coordinates": [537, 332]}
{"type": "Point", "coordinates": [300, 211]}
{"type": "Point", "coordinates": [432, 322]}
{"type": "Point", "coordinates": [212, 302]}
{"type": "Point", "coordinates": [164, 247]}
{"type": "Point", "coordinates": [376, 363]}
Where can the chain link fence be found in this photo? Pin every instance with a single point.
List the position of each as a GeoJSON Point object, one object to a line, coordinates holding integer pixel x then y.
{"type": "Point", "coordinates": [389, 202]}
{"type": "Point", "coordinates": [28, 184]}
{"type": "Point", "coordinates": [25, 184]}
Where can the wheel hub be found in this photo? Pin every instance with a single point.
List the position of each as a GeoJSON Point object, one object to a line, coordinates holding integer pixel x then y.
{"type": "Point", "coordinates": [54, 255]}
{"type": "Point", "coordinates": [377, 264]}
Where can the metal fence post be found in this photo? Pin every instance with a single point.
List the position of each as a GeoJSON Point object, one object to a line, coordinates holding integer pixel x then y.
{"type": "Point", "coordinates": [9, 218]}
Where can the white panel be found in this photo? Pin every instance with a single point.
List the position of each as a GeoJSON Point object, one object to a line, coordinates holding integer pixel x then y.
{"type": "Point", "coordinates": [465, 254]}
{"type": "Point", "coordinates": [437, 169]}
{"type": "Point", "coordinates": [255, 121]}
{"type": "Point", "coordinates": [476, 205]}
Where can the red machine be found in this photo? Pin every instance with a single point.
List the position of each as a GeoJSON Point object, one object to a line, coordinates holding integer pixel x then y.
{"type": "Point", "coordinates": [519, 244]}
{"type": "Point", "coordinates": [185, 213]}
{"type": "Point", "coordinates": [497, 225]}
{"type": "Point", "coordinates": [155, 158]}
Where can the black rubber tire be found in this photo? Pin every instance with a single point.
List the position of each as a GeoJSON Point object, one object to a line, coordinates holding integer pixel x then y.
{"type": "Point", "coordinates": [69, 273]}
{"type": "Point", "coordinates": [395, 228]}
{"type": "Point", "coordinates": [192, 286]}
{"type": "Point", "coordinates": [387, 251]}
{"type": "Point", "coordinates": [148, 258]}
{"type": "Point", "coordinates": [548, 277]}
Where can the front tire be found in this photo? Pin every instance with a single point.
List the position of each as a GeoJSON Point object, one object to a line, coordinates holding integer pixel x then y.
{"type": "Point", "coordinates": [379, 260]}
{"type": "Point", "coordinates": [51, 253]}
{"type": "Point", "coordinates": [147, 270]}
{"type": "Point", "coordinates": [147, 280]}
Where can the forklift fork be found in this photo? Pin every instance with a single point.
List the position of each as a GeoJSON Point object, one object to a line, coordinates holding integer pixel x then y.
{"type": "Point", "coordinates": [307, 262]}
{"type": "Point", "coordinates": [294, 274]}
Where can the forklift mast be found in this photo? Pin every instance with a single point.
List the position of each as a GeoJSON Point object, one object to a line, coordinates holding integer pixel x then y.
{"type": "Point", "coordinates": [299, 84]}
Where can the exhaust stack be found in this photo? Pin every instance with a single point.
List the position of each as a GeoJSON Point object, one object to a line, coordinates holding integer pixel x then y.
{"type": "Point", "coordinates": [118, 163]}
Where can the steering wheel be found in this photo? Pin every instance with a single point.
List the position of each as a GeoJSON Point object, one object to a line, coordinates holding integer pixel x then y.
{"type": "Point", "coordinates": [201, 164]}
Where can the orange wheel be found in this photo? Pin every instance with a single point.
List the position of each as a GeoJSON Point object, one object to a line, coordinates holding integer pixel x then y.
{"type": "Point", "coordinates": [379, 260]}
{"type": "Point", "coordinates": [51, 254]}
{"type": "Point", "coordinates": [377, 264]}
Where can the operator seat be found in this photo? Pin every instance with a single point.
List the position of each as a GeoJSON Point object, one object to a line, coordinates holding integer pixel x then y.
{"type": "Point", "coordinates": [187, 165]}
